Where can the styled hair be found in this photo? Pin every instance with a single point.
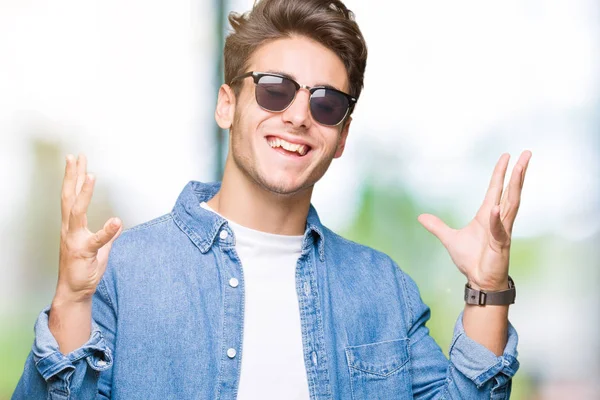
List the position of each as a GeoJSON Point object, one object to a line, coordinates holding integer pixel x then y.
{"type": "Point", "coordinates": [327, 22]}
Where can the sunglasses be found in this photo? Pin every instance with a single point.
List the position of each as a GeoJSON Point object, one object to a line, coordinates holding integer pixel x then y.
{"type": "Point", "coordinates": [276, 93]}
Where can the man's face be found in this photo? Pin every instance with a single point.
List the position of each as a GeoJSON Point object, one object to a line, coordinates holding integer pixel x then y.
{"type": "Point", "coordinates": [258, 137]}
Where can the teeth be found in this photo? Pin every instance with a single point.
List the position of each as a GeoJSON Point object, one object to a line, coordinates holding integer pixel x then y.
{"type": "Point", "coordinates": [298, 148]}
{"type": "Point", "coordinates": [289, 146]}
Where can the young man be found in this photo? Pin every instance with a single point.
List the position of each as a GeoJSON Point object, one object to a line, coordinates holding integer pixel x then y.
{"type": "Point", "coordinates": [240, 291]}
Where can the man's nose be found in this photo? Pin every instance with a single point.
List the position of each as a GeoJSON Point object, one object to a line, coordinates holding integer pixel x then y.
{"type": "Point", "coordinates": [298, 113]}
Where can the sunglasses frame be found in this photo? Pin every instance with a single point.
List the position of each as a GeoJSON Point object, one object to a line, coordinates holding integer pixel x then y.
{"type": "Point", "coordinates": [311, 89]}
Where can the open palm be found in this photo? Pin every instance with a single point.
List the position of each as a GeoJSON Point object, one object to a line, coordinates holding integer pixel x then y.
{"type": "Point", "coordinates": [481, 250]}
{"type": "Point", "coordinates": [83, 254]}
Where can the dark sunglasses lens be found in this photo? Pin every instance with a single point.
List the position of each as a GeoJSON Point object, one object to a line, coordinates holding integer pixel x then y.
{"type": "Point", "coordinates": [274, 93]}
{"type": "Point", "coordinates": [328, 107]}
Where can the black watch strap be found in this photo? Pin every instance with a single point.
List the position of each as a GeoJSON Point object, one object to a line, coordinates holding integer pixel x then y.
{"type": "Point", "coordinates": [482, 297]}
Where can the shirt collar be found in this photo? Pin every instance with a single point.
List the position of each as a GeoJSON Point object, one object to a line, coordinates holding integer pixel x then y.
{"type": "Point", "coordinates": [202, 226]}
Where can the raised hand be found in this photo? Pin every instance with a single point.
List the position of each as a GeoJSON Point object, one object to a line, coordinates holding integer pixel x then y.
{"type": "Point", "coordinates": [83, 254]}
{"type": "Point", "coordinates": [82, 260]}
{"type": "Point", "coordinates": [481, 250]}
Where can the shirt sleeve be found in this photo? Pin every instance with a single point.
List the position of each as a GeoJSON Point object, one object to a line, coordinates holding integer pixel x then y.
{"type": "Point", "coordinates": [480, 365]}
{"type": "Point", "coordinates": [473, 371]}
{"type": "Point", "coordinates": [49, 374]}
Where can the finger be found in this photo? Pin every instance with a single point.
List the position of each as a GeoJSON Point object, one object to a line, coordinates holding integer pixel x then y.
{"type": "Point", "coordinates": [106, 235]}
{"type": "Point", "coordinates": [81, 172]}
{"type": "Point", "coordinates": [524, 161]}
{"type": "Point", "coordinates": [500, 237]}
{"type": "Point", "coordinates": [513, 198]}
{"type": "Point", "coordinates": [104, 252]}
{"type": "Point", "coordinates": [68, 189]}
{"type": "Point", "coordinates": [503, 202]}
{"type": "Point", "coordinates": [494, 192]}
{"type": "Point", "coordinates": [437, 227]}
{"type": "Point", "coordinates": [516, 185]}
{"type": "Point", "coordinates": [111, 241]}
{"type": "Point", "coordinates": [78, 216]}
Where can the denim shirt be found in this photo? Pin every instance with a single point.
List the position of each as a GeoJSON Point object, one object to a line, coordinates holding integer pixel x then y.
{"type": "Point", "coordinates": [168, 325]}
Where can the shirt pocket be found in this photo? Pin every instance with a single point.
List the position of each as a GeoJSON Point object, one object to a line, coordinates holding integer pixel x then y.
{"type": "Point", "coordinates": [380, 370]}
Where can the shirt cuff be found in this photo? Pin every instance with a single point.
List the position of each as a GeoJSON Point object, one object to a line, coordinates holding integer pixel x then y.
{"type": "Point", "coordinates": [50, 362]}
{"type": "Point", "coordinates": [478, 363]}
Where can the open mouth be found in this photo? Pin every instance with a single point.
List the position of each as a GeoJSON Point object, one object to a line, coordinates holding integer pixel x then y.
{"type": "Point", "coordinates": [287, 148]}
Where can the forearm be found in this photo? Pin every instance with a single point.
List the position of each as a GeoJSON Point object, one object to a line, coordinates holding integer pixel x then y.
{"type": "Point", "coordinates": [487, 325]}
{"type": "Point", "coordinates": [70, 323]}
{"type": "Point", "coordinates": [48, 370]}
{"type": "Point", "coordinates": [473, 371]}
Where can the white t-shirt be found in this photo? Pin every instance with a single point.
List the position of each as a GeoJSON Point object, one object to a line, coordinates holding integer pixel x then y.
{"type": "Point", "coordinates": [272, 356]}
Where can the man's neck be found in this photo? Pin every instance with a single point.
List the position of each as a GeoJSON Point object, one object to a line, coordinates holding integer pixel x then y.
{"type": "Point", "coordinates": [246, 203]}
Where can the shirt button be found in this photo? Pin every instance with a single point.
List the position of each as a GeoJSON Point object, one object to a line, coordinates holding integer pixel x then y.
{"type": "Point", "coordinates": [223, 235]}
{"type": "Point", "coordinates": [231, 353]}
{"type": "Point", "coordinates": [233, 282]}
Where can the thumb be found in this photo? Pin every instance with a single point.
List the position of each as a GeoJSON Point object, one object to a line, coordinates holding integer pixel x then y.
{"type": "Point", "coordinates": [437, 227]}
{"type": "Point", "coordinates": [106, 235]}
{"type": "Point", "coordinates": [111, 241]}
{"type": "Point", "coordinates": [104, 252]}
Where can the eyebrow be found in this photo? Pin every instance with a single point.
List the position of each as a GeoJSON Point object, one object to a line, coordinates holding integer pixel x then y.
{"type": "Point", "coordinates": [292, 77]}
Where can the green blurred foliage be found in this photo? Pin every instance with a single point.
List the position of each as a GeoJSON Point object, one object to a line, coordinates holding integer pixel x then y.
{"type": "Point", "coordinates": [16, 337]}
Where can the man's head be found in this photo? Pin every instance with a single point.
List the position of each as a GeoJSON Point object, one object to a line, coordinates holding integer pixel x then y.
{"type": "Point", "coordinates": [313, 42]}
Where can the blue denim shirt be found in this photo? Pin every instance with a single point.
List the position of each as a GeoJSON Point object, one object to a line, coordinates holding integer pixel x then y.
{"type": "Point", "coordinates": [165, 317]}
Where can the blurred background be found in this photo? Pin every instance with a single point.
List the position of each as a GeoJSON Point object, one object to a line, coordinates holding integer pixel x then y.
{"type": "Point", "coordinates": [449, 87]}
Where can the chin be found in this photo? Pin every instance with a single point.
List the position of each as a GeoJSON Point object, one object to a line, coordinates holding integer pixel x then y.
{"type": "Point", "coordinates": [283, 186]}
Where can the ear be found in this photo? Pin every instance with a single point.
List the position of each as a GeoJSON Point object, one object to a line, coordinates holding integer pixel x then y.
{"type": "Point", "coordinates": [225, 109]}
{"type": "Point", "coordinates": [343, 136]}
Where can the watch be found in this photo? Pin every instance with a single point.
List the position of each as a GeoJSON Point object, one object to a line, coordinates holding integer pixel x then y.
{"type": "Point", "coordinates": [482, 297]}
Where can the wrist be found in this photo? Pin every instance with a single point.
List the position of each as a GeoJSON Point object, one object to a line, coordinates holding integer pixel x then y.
{"type": "Point", "coordinates": [63, 308]}
{"type": "Point", "coordinates": [65, 303]}
{"type": "Point", "coordinates": [498, 295]}
{"type": "Point", "coordinates": [65, 296]}
{"type": "Point", "coordinates": [489, 286]}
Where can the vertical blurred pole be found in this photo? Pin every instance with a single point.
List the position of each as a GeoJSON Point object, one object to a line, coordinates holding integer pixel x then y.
{"type": "Point", "coordinates": [220, 10]}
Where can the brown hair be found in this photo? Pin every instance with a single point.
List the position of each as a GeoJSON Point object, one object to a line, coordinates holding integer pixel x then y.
{"type": "Point", "coordinates": [328, 22]}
